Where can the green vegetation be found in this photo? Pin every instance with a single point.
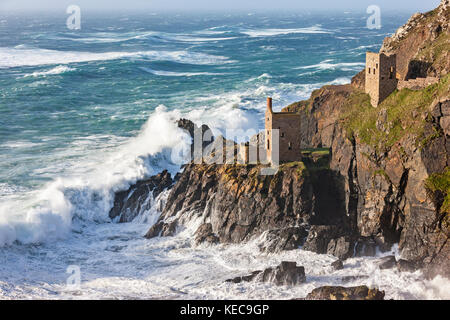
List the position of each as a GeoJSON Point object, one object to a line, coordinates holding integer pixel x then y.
{"type": "Point", "coordinates": [403, 109]}
{"type": "Point", "coordinates": [440, 183]}
{"type": "Point", "coordinates": [316, 152]}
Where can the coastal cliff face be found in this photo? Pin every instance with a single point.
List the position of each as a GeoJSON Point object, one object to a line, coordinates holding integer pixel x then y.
{"type": "Point", "coordinates": [385, 181]}
{"type": "Point", "coordinates": [389, 159]}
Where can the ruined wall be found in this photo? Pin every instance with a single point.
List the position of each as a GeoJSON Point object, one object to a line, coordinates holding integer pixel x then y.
{"type": "Point", "coordinates": [380, 76]}
{"type": "Point", "coordinates": [418, 83]}
{"type": "Point", "coordinates": [288, 125]}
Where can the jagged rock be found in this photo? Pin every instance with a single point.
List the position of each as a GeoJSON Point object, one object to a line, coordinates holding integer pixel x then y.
{"type": "Point", "coordinates": [342, 293]}
{"type": "Point", "coordinates": [287, 273]}
{"type": "Point", "coordinates": [341, 247]}
{"type": "Point", "coordinates": [406, 266]}
{"type": "Point", "coordinates": [338, 265]}
{"type": "Point", "coordinates": [284, 239]}
{"type": "Point", "coordinates": [239, 202]}
{"type": "Point", "coordinates": [319, 237]}
{"type": "Point", "coordinates": [329, 239]}
{"type": "Point", "coordinates": [155, 230]}
{"type": "Point", "coordinates": [205, 234]}
{"type": "Point", "coordinates": [387, 262]}
{"type": "Point", "coordinates": [162, 229]}
{"type": "Point", "coordinates": [365, 247]}
{"type": "Point", "coordinates": [130, 203]}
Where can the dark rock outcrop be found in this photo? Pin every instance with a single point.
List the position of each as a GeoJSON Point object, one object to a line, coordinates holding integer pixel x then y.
{"type": "Point", "coordinates": [130, 203]}
{"type": "Point", "coordinates": [342, 293]}
{"type": "Point", "coordinates": [287, 273]}
{"type": "Point", "coordinates": [162, 229]}
{"type": "Point", "coordinates": [284, 239]}
{"type": "Point", "coordinates": [387, 262]}
{"type": "Point", "coordinates": [407, 266]}
{"type": "Point", "coordinates": [330, 239]}
{"type": "Point", "coordinates": [337, 265]}
{"type": "Point", "coordinates": [205, 234]}
{"type": "Point", "coordinates": [238, 202]}
{"type": "Point", "coordinates": [138, 198]}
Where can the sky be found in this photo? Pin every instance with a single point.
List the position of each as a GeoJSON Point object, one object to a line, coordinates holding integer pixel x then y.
{"type": "Point", "coordinates": [217, 5]}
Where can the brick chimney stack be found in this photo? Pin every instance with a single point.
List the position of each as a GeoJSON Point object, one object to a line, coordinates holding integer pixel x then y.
{"type": "Point", "coordinates": [269, 104]}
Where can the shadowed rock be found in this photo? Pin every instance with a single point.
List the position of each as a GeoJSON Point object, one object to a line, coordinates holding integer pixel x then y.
{"type": "Point", "coordinates": [287, 273]}
{"type": "Point", "coordinates": [387, 262]}
{"type": "Point", "coordinates": [138, 198]}
{"type": "Point", "coordinates": [338, 265]}
{"type": "Point", "coordinates": [342, 293]}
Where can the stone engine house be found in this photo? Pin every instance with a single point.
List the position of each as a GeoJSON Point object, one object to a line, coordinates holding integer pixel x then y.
{"type": "Point", "coordinates": [287, 137]}
{"type": "Point", "coordinates": [381, 76]}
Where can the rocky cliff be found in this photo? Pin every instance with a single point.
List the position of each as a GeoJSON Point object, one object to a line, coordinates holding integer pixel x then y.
{"type": "Point", "coordinates": [384, 180]}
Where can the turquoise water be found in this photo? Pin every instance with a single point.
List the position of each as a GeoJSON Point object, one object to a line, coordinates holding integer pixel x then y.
{"type": "Point", "coordinates": [59, 86]}
{"type": "Point", "coordinates": [86, 113]}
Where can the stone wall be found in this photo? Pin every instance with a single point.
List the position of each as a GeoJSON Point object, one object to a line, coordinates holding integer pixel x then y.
{"type": "Point", "coordinates": [287, 124]}
{"type": "Point", "coordinates": [381, 78]}
{"type": "Point", "coordinates": [418, 83]}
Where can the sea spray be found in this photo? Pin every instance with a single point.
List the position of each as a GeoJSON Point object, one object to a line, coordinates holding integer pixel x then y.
{"type": "Point", "coordinates": [46, 214]}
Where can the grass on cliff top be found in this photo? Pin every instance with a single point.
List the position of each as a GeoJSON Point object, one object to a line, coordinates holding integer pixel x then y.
{"type": "Point", "coordinates": [403, 115]}
{"type": "Point", "coordinates": [440, 182]}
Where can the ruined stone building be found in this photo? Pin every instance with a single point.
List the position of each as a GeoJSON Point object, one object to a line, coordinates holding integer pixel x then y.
{"type": "Point", "coordinates": [381, 76]}
{"type": "Point", "coordinates": [282, 129]}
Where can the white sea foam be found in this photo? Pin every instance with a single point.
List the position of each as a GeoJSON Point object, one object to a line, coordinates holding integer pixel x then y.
{"type": "Point", "coordinates": [179, 74]}
{"type": "Point", "coordinates": [46, 214]}
{"type": "Point", "coordinates": [342, 80]}
{"type": "Point", "coordinates": [54, 71]}
{"type": "Point", "coordinates": [328, 65]}
{"type": "Point", "coordinates": [14, 57]}
{"type": "Point", "coordinates": [277, 32]}
{"type": "Point", "coordinates": [113, 37]}
{"type": "Point", "coordinates": [116, 262]}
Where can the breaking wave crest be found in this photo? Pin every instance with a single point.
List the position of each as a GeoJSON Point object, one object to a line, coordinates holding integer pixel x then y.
{"type": "Point", "coordinates": [15, 57]}
{"type": "Point", "coordinates": [47, 214]}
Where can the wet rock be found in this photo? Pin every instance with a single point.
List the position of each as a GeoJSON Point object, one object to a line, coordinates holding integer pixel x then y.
{"type": "Point", "coordinates": [406, 266]}
{"type": "Point", "coordinates": [338, 265]}
{"type": "Point", "coordinates": [329, 239]}
{"type": "Point", "coordinates": [387, 262]}
{"type": "Point", "coordinates": [247, 278]}
{"type": "Point", "coordinates": [319, 237]}
{"type": "Point", "coordinates": [341, 247]}
{"type": "Point", "coordinates": [205, 234]}
{"type": "Point", "coordinates": [240, 203]}
{"type": "Point", "coordinates": [287, 273]}
{"type": "Point", "coordinates": [365, 248]}
{"type": "Point", "coordinates": [155, 230]}
{"type": "Point", "coordinates": [284, 239]}
{"type": "Point", "coordinates": [162, 229]}
{"type": "Point", "coordinates": [138, 198]}
{"type": "Point", "coordinates": [342, 293]}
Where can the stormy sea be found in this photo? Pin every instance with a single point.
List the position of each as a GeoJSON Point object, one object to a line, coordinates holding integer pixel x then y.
{"type": "Point", "coordinates": [85, 113]}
